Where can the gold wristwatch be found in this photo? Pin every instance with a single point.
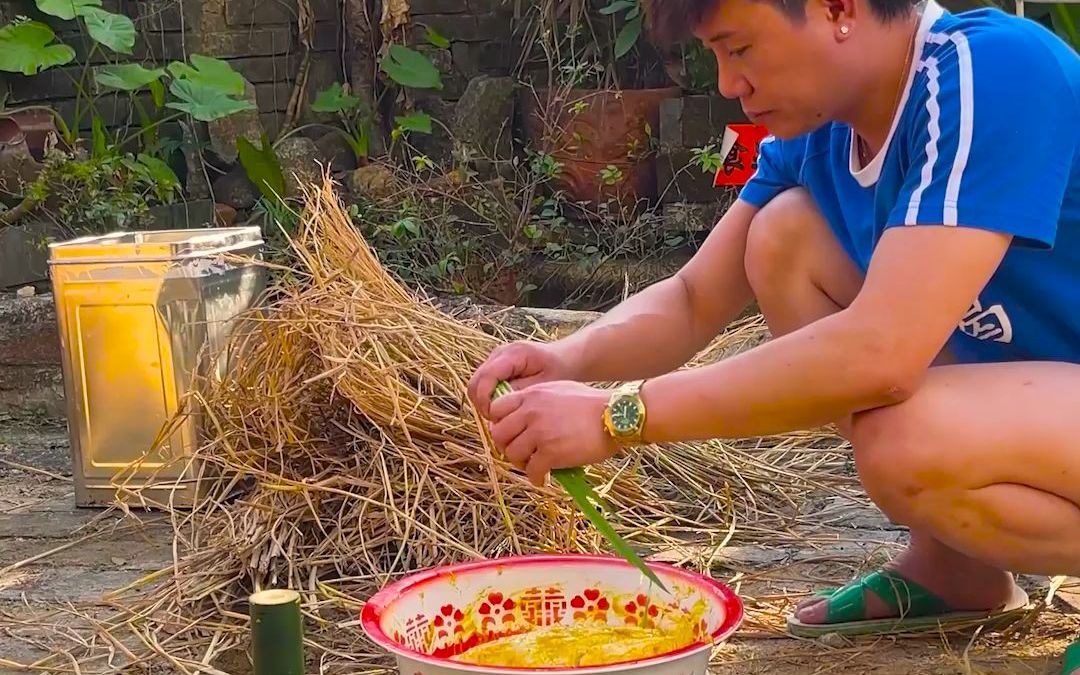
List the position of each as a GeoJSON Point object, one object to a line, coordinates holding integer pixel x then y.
{"type": "Point", "coordinates": [624, 415]}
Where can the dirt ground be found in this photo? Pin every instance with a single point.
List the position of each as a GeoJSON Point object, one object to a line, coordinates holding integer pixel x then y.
{"type": "Point", "coordinates": [52, 553]}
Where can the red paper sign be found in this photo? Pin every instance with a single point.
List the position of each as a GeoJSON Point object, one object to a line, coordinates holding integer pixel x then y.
{"type": "Point", "coordinates": [741, 161]}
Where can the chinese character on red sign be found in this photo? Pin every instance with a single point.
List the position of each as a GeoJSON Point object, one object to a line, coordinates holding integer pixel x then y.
{"type": "Point", "coordinates": [740, 163]}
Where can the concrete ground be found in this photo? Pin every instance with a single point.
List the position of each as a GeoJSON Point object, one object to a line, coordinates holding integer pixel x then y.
{"type": "Point", "coordinates": [51, 552]}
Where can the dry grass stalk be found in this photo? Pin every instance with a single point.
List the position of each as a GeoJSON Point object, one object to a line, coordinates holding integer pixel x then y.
{"type": "Point", "coordinates": [344, 421]}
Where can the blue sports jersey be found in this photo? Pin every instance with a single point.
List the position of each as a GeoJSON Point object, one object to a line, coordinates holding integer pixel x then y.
{"type": "Point", "coordinates": [987, 136]}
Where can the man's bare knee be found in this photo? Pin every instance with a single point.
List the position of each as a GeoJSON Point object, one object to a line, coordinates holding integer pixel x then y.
{"type": "Point", "coordinates": [895, 467]}
{"type": "Point", "coordinates": [773, 242]}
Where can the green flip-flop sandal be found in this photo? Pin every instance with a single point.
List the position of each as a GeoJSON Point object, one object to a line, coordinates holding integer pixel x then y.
{"type": "Point", "coordinates": [918, 610]}
{"type": "Point", "coordinates": [1071, 663]}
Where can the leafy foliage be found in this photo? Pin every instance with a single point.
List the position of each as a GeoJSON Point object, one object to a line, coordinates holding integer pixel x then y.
{"type": "Point", "coordinates": [1066, 21]}
{"type": "Point", "coordinates": [262, 167]}
{"type": "Point", "coordinates": [631, 29]}
{"type": "Point", "coordinates": [127, 76]}
{"type": "Point", "coordinates": [29, 48]}
{"type": "Point", "coordinates": [204, 102]}
{"type": "Point", "coordinates": [211, 73]}
{"type": "Point", "coordinates": [67, 9]}
{"type": "Point", "coordinates": [102, 193]}
{"type": "Point", "coordinates": [333, 99]}
{"type": "Point", "coordinates": [410, 68]}
{"type": "Point", "coordinates": [115, 31]}
{"type": "Point", "coordinates": [419, 122]}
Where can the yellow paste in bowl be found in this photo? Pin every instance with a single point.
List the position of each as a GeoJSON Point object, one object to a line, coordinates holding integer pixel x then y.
{"type": "Point", "coordinates": [584, 644]}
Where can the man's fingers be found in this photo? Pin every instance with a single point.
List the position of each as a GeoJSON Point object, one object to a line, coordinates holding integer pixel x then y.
{"type": "Point", "coordinates": [505, 405]}
{"type": "Point", "coordinates": [507, 429]}
{"type": "Point", "coordinates": [538, 468]}
{"type": "Point", "coordinates": [519, 450]}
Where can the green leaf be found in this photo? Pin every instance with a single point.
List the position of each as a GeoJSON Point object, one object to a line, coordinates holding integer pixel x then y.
{"type": "Point", "coordinates": [160, 172]}
{"type": "Point", "coordinates": [436, 39]}
{"type": "Point", "coordinates": [627, 36]}
{"type": "Point", "coordinates": [618, 6]}
{"type": "Point", "coordinates": [262, 168]}
{"type": "Point", "coordinates": [576, 484]}
{"type": "Point", "coordinates": [115, 31]}
{"type": "Point", "coordinates": [127, 76]}
{"type": "Point", "coordinates": [28, 48]}
{"type": "Point", "coordinates": [410, 68]}
{"type": "Point", "coordinates": [204, 102]}
{"type": "Point", "coordinates": [100, 142]}
{"type": "Point", "coordinates": [157, 92]}
{"type": "Point", "coordinates": [418, 122]}
{"type": "Point", "coordinates": [333, 99]}
{"type": "Point", "coordinates": [211, 72]}
{"type": "Point", "coordinates": [66, 9]}
{"type": "Point", "coordinates": [1066, 21]}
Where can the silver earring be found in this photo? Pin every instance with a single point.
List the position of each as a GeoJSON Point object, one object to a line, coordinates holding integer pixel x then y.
{"type": "Point", "coordinates": [844, 30]}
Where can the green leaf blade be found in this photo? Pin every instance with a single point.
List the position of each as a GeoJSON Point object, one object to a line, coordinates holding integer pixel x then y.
{"type": "Point", "coordinates": [410, 68]}
{"type": "Point", "coordinates": [262, 167]}
{"type": "Point", "coordinates": [333, 99]}
{"type": "Point", "coordinates": [576, 484]}
{"type": "Point", "coordinates": [204, 103]}
{"type": "Point", "coordinates": [617, 6]}
{"type": "Point", "coordinates": [160, 172]}
{"type": "Point", "coordinates": [66, 9]}
{"type": "Point", "coordinates": [436, 39]}
{"type": "Point", "coordinates": [127, 76]}
{"type": "Point", "coordinates": [209, 72]}
{"type": "Point", "coordinates": [115, 31]}
{"type": "Point", "coordinates": [417, 122]}
{"type": "Point", "coordinates": [28, 48]}
{"type": "Point", "coordinates": [628, 36]}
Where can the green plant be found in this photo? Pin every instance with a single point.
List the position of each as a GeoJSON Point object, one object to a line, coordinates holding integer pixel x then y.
{"type": "Point", "coordinates": [102, 192]}
{"type": "Point", "coordinates": [403, 65]}
{"type": "Point", "coordinates": [611, 175]}
{"type": "Point", "coordinates": [1065, 18]}
{"type": "Point", "coordinates": [206, 88]}
{"type": "Point", "coordinates": [707, 158]}
{"type": "Point", "coordinates": [633, 22]}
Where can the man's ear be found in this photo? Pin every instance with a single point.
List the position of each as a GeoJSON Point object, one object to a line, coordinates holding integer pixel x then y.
{"type": "Point", "coordinates": [837, 12]}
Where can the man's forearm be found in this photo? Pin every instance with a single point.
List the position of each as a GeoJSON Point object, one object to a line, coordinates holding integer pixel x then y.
{"type": "Point", "coordinates": [648, 334]}
{"type": "Point", "coordinates": [814, 376]}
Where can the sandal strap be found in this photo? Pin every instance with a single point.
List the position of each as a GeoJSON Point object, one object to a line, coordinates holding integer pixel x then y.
{"type": "Point", "coordinates": [903, 596]}
{"type": "Point", "coordinates": [1071, 663]}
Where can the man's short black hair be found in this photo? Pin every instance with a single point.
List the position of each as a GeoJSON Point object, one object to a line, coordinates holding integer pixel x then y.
{"type": "Point", "coordinates": [672, 21]}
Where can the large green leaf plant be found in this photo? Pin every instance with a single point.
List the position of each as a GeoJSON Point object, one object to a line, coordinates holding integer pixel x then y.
{"type": "Point", "coordinates": [202, 88]}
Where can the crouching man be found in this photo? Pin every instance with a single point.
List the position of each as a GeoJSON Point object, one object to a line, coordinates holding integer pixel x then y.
{"type": "Point", "coordinates": [912, 236]}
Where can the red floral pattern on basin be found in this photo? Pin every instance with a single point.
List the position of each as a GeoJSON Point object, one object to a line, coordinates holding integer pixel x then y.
{"type": "Point", "coordinates": [591, 605]}
{"type": "Point", "coordinates": [436, 615]}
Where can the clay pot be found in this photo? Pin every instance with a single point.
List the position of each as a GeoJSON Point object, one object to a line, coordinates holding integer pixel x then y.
{"type": "Point", "coordinates": [33, 127]}
{"type": "Point", "coordinates": [589, 131]}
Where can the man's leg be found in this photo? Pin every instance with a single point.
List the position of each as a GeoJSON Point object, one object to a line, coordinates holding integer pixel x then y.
{"type": "Point", "coordinates": [979, 463]}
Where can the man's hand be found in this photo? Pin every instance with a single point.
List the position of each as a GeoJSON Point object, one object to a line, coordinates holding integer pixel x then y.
{"type": "Point", "coordinates": [520, 364]}
{"type": "Point", "coordinates": [554, 425]}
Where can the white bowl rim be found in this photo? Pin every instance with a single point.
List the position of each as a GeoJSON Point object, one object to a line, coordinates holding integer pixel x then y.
{"type": "Point", "coordinates": [385, 597]}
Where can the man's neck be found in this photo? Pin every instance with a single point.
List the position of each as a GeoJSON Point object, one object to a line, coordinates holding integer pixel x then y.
{"type": "Point", "coordinates": [878, 101]}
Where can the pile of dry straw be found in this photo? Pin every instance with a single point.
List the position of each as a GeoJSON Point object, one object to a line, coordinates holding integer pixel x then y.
{"type": "Point", "coordinates": [345, 422]}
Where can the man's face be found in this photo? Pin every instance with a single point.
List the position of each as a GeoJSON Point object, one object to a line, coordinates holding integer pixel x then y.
{"type": "Point", "coordinates": [780, 67]}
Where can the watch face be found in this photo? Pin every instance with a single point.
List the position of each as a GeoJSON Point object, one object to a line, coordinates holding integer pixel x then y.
{"type": "Point", "coordinates": [625, 414]}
